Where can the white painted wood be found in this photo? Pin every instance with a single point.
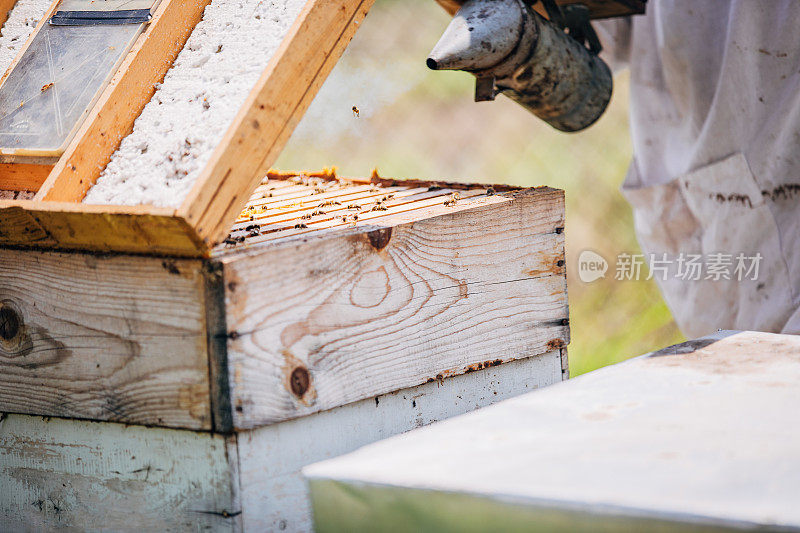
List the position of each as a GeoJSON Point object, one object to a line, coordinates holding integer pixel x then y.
{"type": "Point", "coordinates": [274, 496]}
{"type": "Point", "coordinates": [698, 436]}
{"type": "Point", "coordinates": [119, 338]}
{"type": "Point", "coordinates": [374, 310]}
{"type": "Point", "coordinates": [89, 476]}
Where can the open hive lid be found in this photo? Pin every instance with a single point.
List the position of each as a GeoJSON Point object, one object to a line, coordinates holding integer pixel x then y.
{"type": "Point", "coordinates": [55, 218]}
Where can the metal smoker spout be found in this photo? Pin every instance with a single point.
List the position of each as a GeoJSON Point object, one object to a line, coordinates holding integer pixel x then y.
{"type": "Point", "coordinates": [513, 50]}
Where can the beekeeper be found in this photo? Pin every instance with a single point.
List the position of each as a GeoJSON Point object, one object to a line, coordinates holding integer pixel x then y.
{"type": "Point", "coordinates": [715, 120]}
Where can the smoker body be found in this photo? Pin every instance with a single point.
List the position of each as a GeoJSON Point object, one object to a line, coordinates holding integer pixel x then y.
{"type": "Point", "coordinates": [513, 50]}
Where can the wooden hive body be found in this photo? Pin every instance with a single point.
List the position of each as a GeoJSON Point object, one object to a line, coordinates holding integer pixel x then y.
{"type": "Point", "coordinates": [194, 359]}
{"type": "Point", "coordinates": [447, 300]}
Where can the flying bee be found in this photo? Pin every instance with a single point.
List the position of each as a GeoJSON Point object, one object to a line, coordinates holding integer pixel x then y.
{"type": "Point", "coordinates": [356, 112]}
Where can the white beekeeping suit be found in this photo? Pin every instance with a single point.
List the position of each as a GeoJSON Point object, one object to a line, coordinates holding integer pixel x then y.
{"type": "Point", "coordinates": [715, 120]}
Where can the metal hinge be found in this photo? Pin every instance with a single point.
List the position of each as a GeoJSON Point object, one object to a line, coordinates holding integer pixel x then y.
{"type": "Point", "coordinates": [98, 18]}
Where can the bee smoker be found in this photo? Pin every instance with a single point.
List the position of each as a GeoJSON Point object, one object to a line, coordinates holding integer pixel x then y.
{"type": "Point", "coordinates": [513, 50]}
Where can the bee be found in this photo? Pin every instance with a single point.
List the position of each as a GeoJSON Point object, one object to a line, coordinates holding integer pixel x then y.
{"type": "Point", "coordinates": [454, 197]}
{"type": "Point", "coordinates": [233, 241]}
{"type": "Point", "coordinates": [45, 87]}
{"type": "Point", "coordinates": [356, 112]}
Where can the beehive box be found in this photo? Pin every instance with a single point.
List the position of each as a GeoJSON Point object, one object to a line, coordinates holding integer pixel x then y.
{"type": "Point", "coordinates": [327, 292]}
{"type": "Point", "coordinates": [189, 361]}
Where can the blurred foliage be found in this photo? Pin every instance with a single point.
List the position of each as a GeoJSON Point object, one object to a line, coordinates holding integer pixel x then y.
{"type": "Point", "coordinates": [415, 123]}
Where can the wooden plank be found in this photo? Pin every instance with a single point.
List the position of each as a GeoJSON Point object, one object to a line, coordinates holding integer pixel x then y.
{"type": "Point", "coordinates": [75, 475]}
{"type": "Point", "coordinates": [317, 324]}
{"type": "Point", "coordinates": [112, 117]}
{"type": "Point", "coordinates": [217, 342]}
{"type": "Point", "coordinates": [274, 494]}
{"type": "Point", "coordinates": [5, 7]}
{"type": "Point", "coordinates": [270, 114]}
{"type": "Point", "coordinates": [88, 476]}
{"type": "Point", "coordinates": [70, 226]}
{"type": "Point", "coordinates": [702, 436]}
{"type": "Point", "coordinates": [118, 338]}
{"type": "Point", "coordinates": [599, 9]}
{"type": "Point", "coordinates": [23, 176]}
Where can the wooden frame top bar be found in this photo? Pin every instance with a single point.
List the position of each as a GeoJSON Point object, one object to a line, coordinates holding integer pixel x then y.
{"type": "Point", "coordinates": [282, 206]}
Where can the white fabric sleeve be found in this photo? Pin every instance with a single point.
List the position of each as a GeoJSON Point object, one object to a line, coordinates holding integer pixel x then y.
{"type": "Point", "coordinates": [615, 36]}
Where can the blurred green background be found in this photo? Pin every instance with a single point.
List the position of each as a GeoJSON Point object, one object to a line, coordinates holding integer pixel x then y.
{"type": "Point", "coordinates": [415, 123]}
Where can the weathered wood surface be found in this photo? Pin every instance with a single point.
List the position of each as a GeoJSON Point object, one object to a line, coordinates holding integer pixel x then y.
{"type": "Point", "coordinates": [318, 323]}
{"type": "Point", "coordinates": [272, 111]}
{"type": "Point", "coordinates": [107, 338]}
{"type": "Point", "coordinates": [274, 494]}
{"type": "Point", "coordinates": [703, 436]}
{"type": "Point", "coordinates": [70, 226]}
{"type": "Point", "coordinates": [87, 476]}
{"type": "Point", "coordinates": [302, 320]}
{"type": "Point", "coordinates": [112, 117]}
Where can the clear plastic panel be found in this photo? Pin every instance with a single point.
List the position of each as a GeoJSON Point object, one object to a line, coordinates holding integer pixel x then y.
{"type": "Point", "coordinates": [57, 80]}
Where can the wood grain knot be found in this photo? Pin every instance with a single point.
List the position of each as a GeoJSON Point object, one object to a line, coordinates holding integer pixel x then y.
{"type": "Point", "coordinates": [299, 381]}
{"type": "Point", "coordinates": [379, 238]}
{"type": "Point", "coordinates": [10, 322]}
